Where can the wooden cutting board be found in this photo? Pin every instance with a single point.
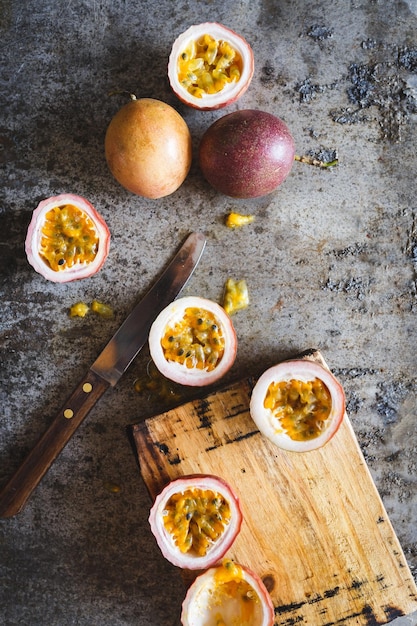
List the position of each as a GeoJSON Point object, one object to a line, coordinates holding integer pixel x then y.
{"type": "Point", "coordinates": [315, 528]}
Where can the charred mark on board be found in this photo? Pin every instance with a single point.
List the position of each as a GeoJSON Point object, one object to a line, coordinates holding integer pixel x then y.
{"type": "Point", "coordinates": [331, 593]}
{"type": "Point", "coordinates": [203, 411]}
{"type": "Point", "coordinates": [356, 584]}
{"type": "Point", "coordinates": [235, 411]}
{"type": "Point", "coordinates": [367, 611]}
{"type": "Point", "coordinates": [392, 612]}
{"type": "Point", "coordinates": [380, 579]}
{"type": "Point", "coordinates": [296, 606]}
{"type": "Point", "coordinates": [163, 448]}
{"type": "Point", "coordinates": [252, 433]}
{"type": "Point", "coordinates": [292, 621]}
{"type": "Point", "coordinates": [289, 608]}
{"type": "Point", "coordinates": [227, 440]}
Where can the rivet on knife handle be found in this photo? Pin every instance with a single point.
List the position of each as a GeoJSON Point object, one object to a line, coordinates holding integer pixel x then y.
{"type": "Point", "coordinates": [104, 372]}
{"type": "Point", "coordinates": [14, 494]}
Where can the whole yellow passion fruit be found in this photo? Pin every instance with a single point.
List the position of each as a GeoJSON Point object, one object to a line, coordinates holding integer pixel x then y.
{"type": "Point", "coordinates": [148, 148]}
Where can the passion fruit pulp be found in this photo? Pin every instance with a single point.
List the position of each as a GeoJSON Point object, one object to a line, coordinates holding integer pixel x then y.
{"type": "Point", "coordinates": [247, 153]}
{"type": "Point", "coordinates": [148, 148]}
{"type": "Point", "coordinates": [195, 519]}
{"type": "Point", "coordinates": [193, 341]}
{"type": "Point", "coordinates": [210, 66]}
{"type": "Point", "coordinates": [299, 405]}
{"type": "Point", "coordinates": [228, 594]}
{"type": "Point", "coordinates": [67, 239]}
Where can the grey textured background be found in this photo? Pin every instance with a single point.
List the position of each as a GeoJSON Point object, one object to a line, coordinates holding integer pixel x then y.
{"type": "Point", "coordinates": [330, 263]}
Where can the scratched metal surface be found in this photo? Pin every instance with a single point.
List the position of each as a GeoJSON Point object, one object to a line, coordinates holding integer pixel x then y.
{"type": "Point", "coordinates": [330, 263]}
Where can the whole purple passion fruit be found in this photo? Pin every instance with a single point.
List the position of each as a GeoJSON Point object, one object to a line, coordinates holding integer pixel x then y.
{"type": "Point", "coordinates": [247, 153]}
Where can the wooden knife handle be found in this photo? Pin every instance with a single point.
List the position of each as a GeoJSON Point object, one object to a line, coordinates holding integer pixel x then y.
{"type": "Point", "coordinates": [15, 493]}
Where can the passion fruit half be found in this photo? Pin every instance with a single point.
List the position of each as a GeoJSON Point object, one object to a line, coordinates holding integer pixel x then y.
{"type": "Point", "coordinates": [193, 341]}
{"type": "Point", "coordinates": [299, 405]}
{"type": "Point", "coordinates": [228, 594]}
{"type": "Point", "coordinates": [210, 66]}
{"type": "Point", "coordinates": [247, 153]}
{"type": "Point", "coordinates": [67, 239]}
{"type": "Point", "coordinates": [195, 520]}
{"type": "Point", "coordinates": [148, 148]}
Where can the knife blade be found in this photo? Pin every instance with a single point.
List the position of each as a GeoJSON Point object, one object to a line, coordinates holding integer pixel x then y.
{"type": "Point", "coordinates": [103, 373]}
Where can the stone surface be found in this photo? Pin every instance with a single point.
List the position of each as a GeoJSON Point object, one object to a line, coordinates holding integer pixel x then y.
{"type": "Point", "coordinates": [330, 262]}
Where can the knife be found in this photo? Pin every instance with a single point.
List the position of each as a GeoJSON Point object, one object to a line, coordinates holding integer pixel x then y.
{"type": "Point", "coordinates": [104, 373]}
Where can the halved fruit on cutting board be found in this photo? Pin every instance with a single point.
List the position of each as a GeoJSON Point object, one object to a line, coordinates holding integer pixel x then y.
{"type": "Point", "coordinates": [195, 520]}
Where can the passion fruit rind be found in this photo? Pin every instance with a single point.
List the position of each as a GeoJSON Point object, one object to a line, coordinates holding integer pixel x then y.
{"type": "Point", "coordinates": [67, 239]}
{"type": "Point", "coordinates": [195, 520]}
{"type": "Point", "coordinates": [232, 87]}
{"type": "Point", "coordinates": [298, 405]}
{"type": "Point", "coordinates": [229, 590]}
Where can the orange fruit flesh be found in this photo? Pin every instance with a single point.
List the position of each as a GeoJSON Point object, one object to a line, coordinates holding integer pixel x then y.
{"type": "Point", "coordinates": [231, 584]}
{"type": "Point", "coordinates": [207, 65]}
{"type": "Point", "coordinates": [69, 237]}
{"type": "Point", "coordinates": [196, 518]}
{"type": "Point", "coordinates": [195, 341]}
{"type": "Point", "coordinates": [302, 408]}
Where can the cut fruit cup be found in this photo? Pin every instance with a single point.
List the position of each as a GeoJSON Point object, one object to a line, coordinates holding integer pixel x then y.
{"type": "Point", "coordinates": [67, 239]}
{"type": "Point", "coordinates": [298, 405]}
{"type": "Point", "coordinates": [210, 66]}
{"type": "Point", "coordinates": [227, 594]}
{"type": "Point", "coordinates": [193, 341]}
{"type": "Point", "coordinates": [195, 519]}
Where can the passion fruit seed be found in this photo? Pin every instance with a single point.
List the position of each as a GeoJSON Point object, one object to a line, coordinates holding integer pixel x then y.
{"type": "Point", "coordinates": [69, 237]}
{"type": "Point", "coordinates": [236, 296]}
{"type": "Point", "coordinates": [207, 65]}
{"type": "Point", "coordinates": [196, 518]}
{"type": "Point", "coordinates": [154, 382]}
{"type": "Point", "coordinates": [195, 341]}
{"type": "Point", "coordinates": [301, 408]}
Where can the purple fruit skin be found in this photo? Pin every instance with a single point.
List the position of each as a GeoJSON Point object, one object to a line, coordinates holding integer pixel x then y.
{"type": "Point", "coordinates": [247, 153]}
